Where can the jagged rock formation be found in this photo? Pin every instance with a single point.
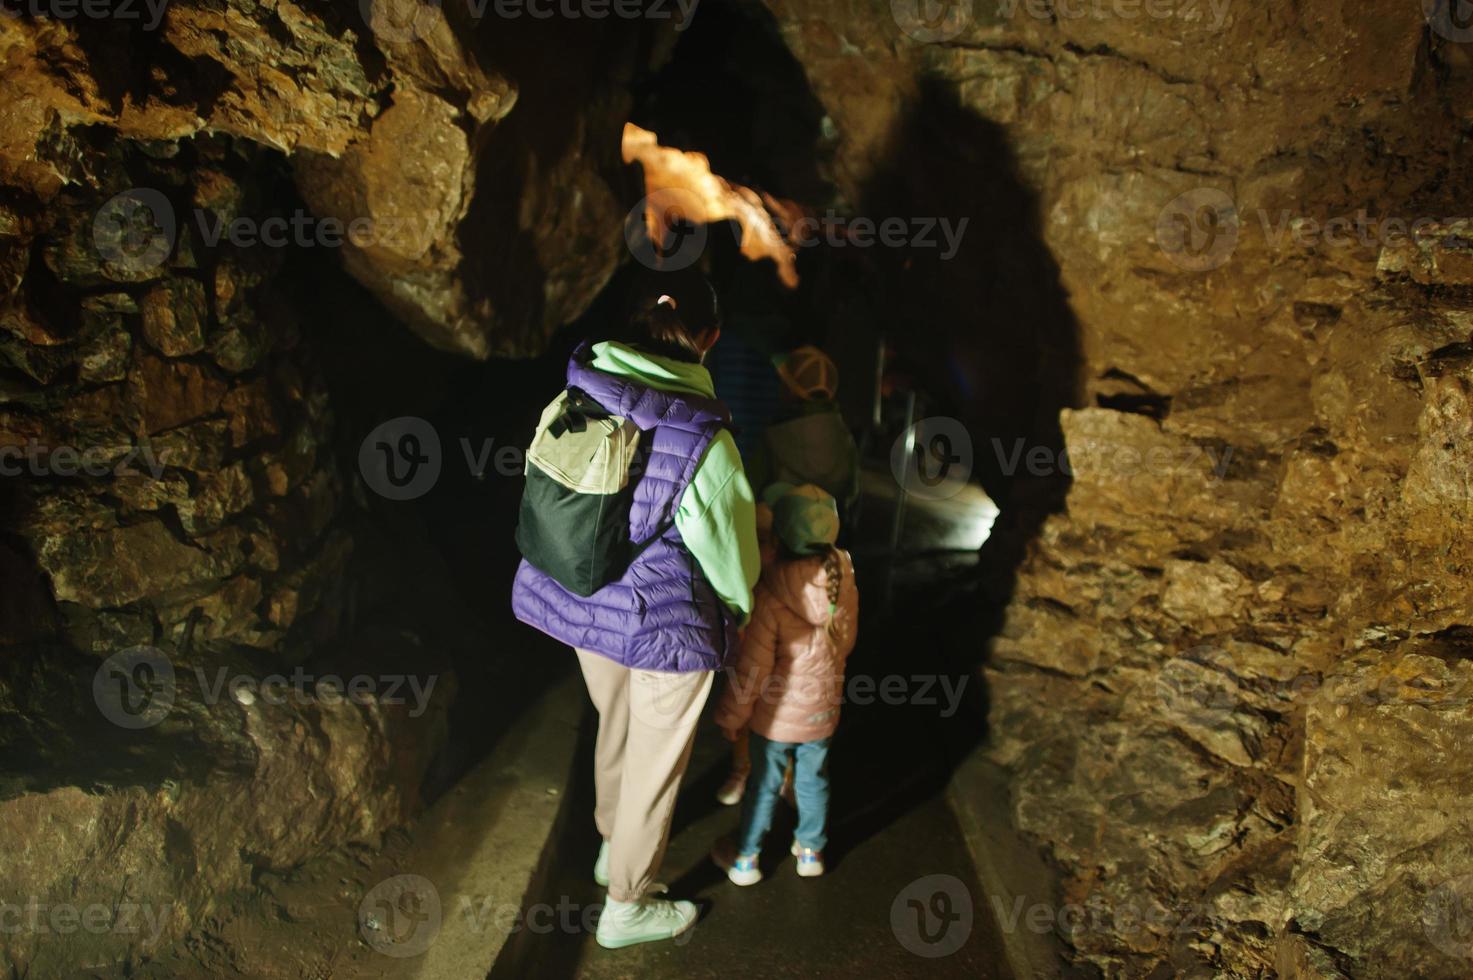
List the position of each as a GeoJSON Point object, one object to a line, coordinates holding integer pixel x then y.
{"type": "Point", "coordinates": [390, 117]}
{"type": "Point", "coordinates": [1235, 669]}
{"type": "Point", "coordinates": [184, 394]}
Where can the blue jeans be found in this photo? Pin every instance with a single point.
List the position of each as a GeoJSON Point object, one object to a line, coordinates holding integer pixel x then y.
{"type": "Point", "coordinates": [810, 785]}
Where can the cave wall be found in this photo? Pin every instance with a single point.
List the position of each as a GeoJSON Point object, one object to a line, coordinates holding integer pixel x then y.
{"type": "Point", "coordinates": [186, 390]}
{"type": "Point", "coordinates": [171, 490]}
{"type": "Point", "coordinates": [177, 480]}
{"type": "Point", "coordinates": [1233, 674]}
{"type": "Point", "coordinates": [394, 115]}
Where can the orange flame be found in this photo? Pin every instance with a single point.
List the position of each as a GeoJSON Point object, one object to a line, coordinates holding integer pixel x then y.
{"type": "Point", "coordinates": [680, 186]}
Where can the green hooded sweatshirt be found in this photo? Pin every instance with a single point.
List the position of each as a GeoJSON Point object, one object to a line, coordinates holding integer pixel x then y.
{"type": "Point", "coordinates": [717, 517]}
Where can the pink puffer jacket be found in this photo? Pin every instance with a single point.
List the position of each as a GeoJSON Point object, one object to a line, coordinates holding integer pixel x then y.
{"type": "Point", "coordinates": [788, 680]}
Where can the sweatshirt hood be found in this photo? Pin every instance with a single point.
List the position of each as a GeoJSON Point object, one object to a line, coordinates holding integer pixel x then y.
{"type": "Point", "coordinates": [653, 371]}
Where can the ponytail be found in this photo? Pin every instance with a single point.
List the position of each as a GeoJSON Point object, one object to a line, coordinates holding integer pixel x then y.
{"type": "Point", "coordinates": [672, 313]}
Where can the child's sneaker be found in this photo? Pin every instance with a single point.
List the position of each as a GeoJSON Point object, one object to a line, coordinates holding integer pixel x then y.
{"type": "Point", "coordinates": [645, 921]}
{"type": "Point", "coordinates": [810, 862]}
{"type": "Point", "coordinates": [731, 791]}
{"type": "Point", "coordinates": [740, 868]}
{"type": "Point", "coordinates": [601, 866]}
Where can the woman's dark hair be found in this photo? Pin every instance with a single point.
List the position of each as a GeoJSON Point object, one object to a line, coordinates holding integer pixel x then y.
{"type": "Point", "coordinates": [669, 312]}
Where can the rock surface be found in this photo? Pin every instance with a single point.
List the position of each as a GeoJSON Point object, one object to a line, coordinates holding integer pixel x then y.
{"type": "Point", "coordinates": [224, 789]}
{"type": "Point", "coordinates": [391, 121]}
{"type": "Point", "coordinates": [170, 486]}
{"type": "Point", "coordinates": [1232, 673]}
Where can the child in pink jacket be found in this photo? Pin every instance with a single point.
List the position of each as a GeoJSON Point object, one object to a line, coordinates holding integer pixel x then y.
{"type": "Point", "coordinates": [788, 681]}
{"type": "Point", "coordinates": [731, 791]}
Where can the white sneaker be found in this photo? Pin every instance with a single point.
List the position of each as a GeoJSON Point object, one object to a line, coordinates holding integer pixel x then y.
{"type": "Point", "coordinates": [810, 862]}
{"type": "Point", "coordinates": [601, 866]}
{"type": "Point", "coordinates": [740, 868]}
{"type": "Point", "coordinates": [645, 921]}
{"type": "Point", "coordinates": [731, 791]}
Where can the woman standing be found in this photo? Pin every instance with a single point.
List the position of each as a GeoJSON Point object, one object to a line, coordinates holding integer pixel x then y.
{"type": "Point", "coordinates": [649, 642]}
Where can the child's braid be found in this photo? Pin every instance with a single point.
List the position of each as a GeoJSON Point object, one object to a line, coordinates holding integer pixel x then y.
{"type": "Point", "coordinates": [833, 570]}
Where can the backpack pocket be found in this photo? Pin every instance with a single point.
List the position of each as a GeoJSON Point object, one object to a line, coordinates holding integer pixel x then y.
{"type": "Point", "coordinates": [574, 518]}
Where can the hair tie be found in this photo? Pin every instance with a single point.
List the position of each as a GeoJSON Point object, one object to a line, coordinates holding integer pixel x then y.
{"type": "Point", "coordinates": [666, 298]}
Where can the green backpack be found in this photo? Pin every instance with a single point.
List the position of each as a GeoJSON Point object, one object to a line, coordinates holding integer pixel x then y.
{"type": "Point", "coordinates": [574, 519]}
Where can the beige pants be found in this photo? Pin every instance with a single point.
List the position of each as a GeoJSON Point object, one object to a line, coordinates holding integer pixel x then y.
{"type": "Point", "coordinates": [646, 726]}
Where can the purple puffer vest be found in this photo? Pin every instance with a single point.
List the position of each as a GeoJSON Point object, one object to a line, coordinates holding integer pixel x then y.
{"type": "Point", "coordinates": [662, 613]}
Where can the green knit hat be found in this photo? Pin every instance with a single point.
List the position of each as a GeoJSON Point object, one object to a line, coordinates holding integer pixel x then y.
{"type": "Point", "coordinates": [805, 519]}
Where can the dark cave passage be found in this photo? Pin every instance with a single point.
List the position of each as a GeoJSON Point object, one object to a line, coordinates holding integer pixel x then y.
{"type": "Point", "coordinates": [897, 321]}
